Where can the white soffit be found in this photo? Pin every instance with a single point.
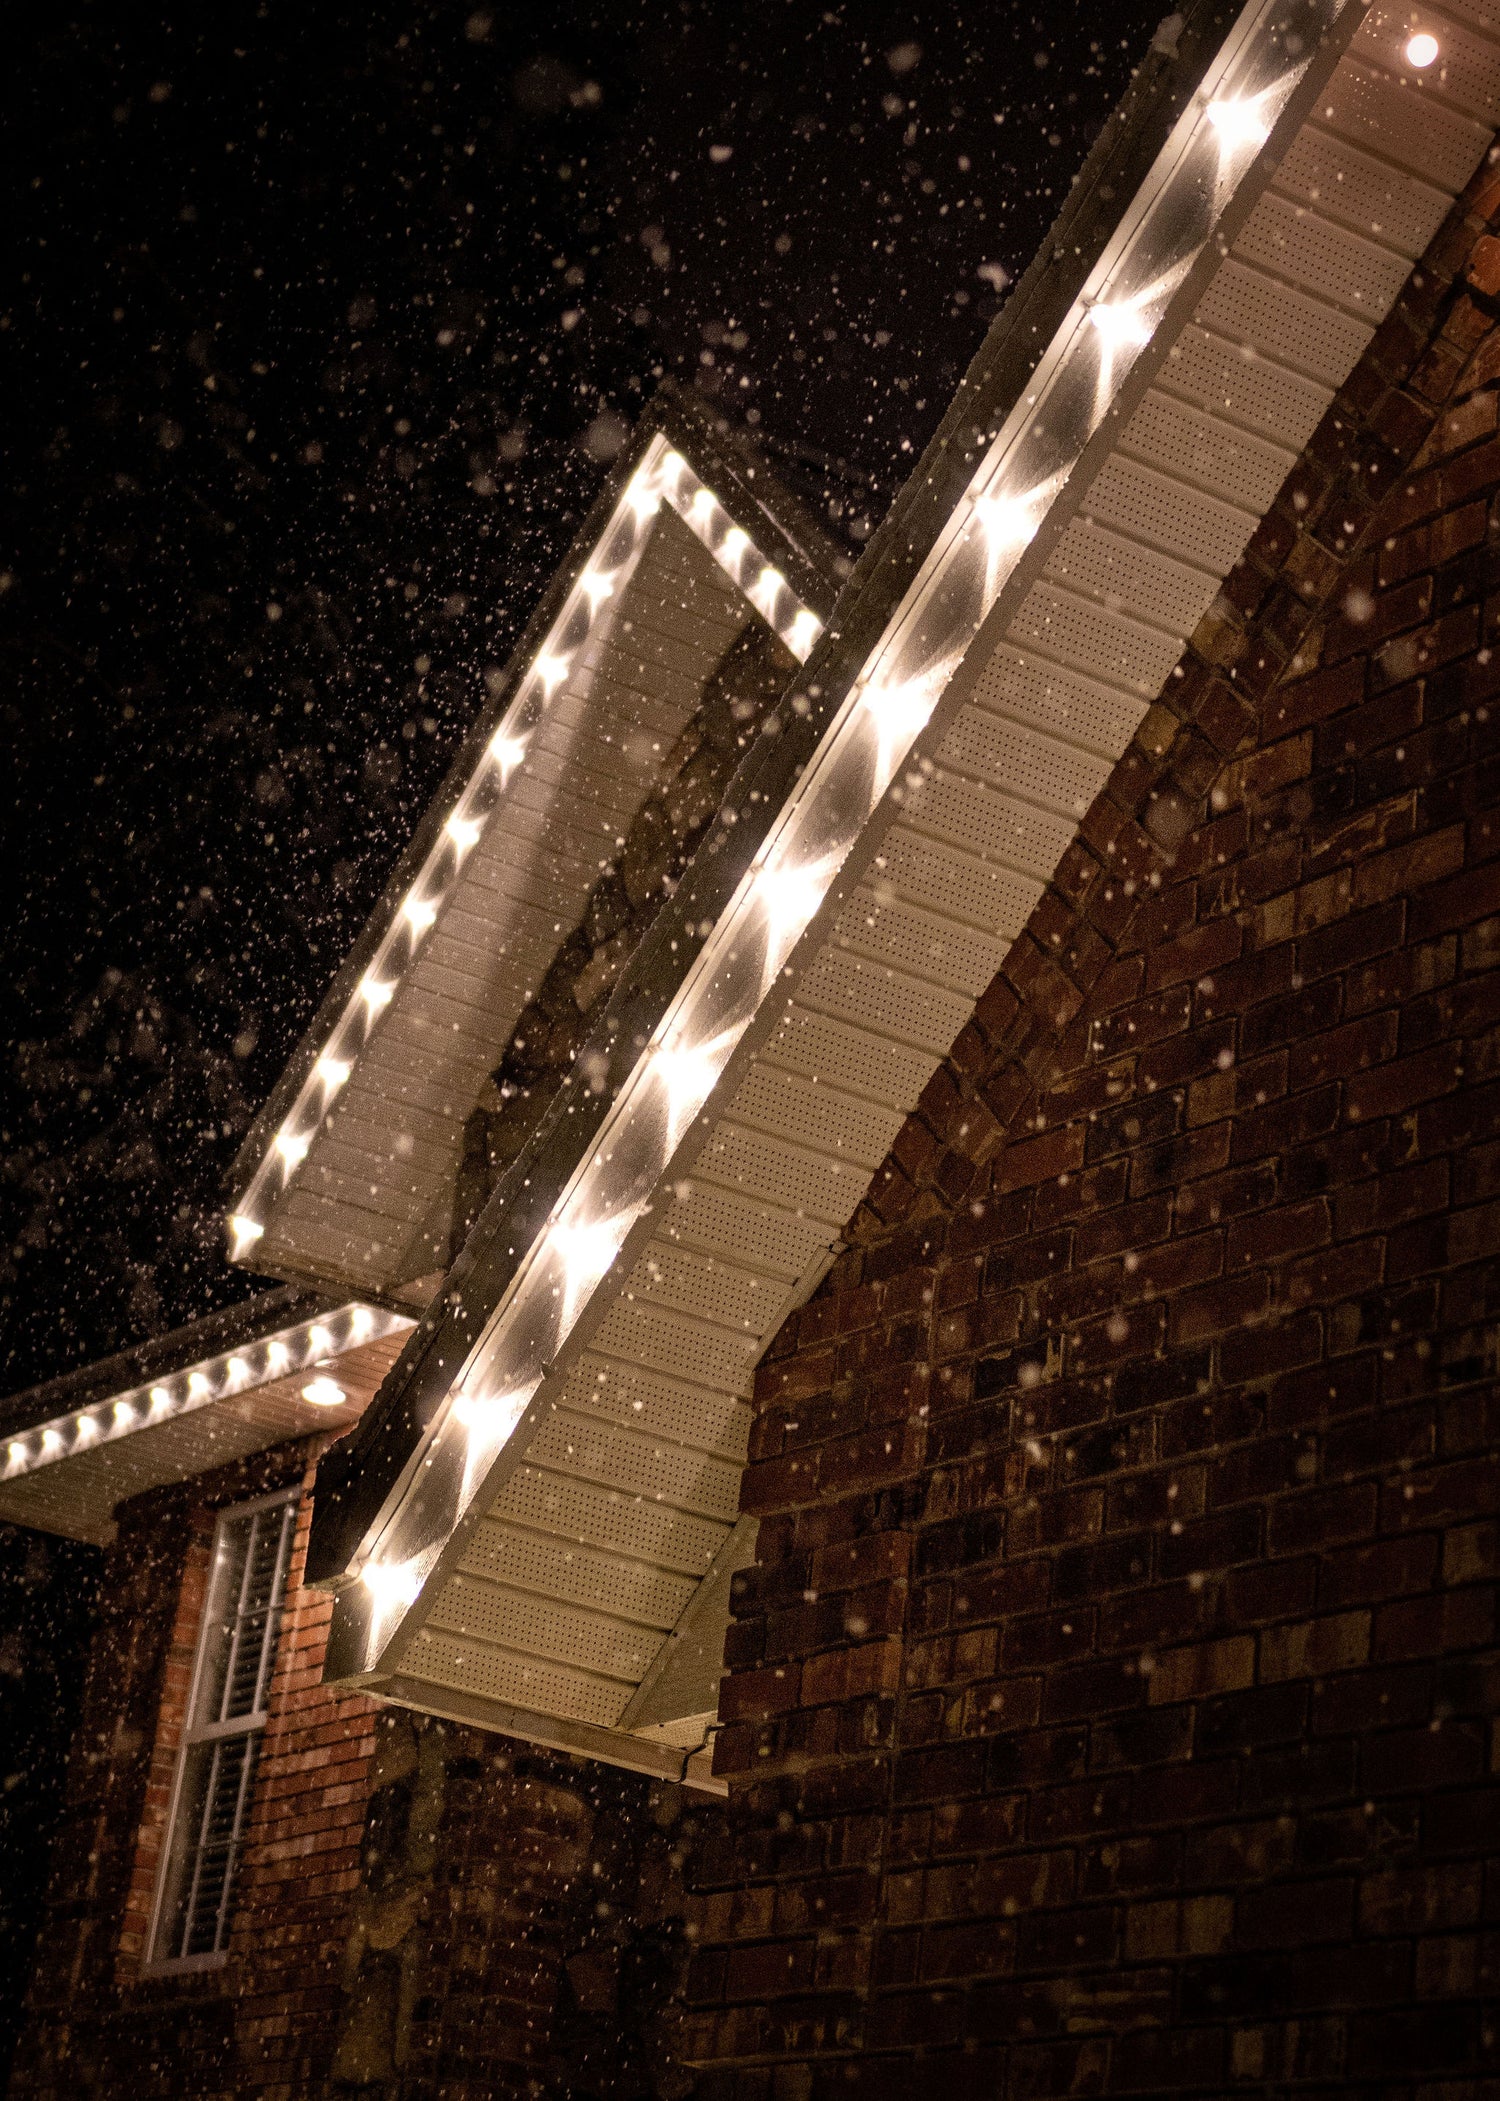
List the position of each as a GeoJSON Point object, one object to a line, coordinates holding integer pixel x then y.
{"type": "Point", "coordinates": [583, 1475]}
{"type": "Point", "coordinates": [67, 1471]}
{"type": "Point", "coordinates": [353, 1187]}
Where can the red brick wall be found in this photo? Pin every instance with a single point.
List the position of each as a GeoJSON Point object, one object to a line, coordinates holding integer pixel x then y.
{"type": "Point", "coordinates": [1112, 1704]}
{"type": "Point", "coordinates": [420, 1908]}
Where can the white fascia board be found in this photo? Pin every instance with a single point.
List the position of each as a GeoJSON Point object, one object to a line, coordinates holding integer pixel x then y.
{"type": "Point", "coordinates": [479, 804]}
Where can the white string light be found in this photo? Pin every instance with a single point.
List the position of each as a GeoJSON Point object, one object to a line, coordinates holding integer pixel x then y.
{"type": "Point", "coordinates": [304, 1347]}
{"type": "Point", "coordinates": [1077, 382]}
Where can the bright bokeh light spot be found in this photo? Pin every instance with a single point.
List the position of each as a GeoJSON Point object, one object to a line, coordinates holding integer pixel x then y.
{"type": "Point", "coordinates": [1421, 50]}
{"type": "Point", "coordinates": [323, 1393]}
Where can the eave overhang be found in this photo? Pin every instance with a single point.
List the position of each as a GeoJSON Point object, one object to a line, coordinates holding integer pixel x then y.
{"type": "Point", "coordinates": [283, 1365]}
{"type": "Point", "coordinates": [1232, 244]}
{"type": "Point", "coordinates": [345, 1180]}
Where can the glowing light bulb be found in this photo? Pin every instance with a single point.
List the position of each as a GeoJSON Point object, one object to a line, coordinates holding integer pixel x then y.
{"type": "Point", "coordinates": [491, 1415]}
{"type": "Point", "coordinates": [463, 831]}
{"type": "Point", "coordinates": [361, 1321]}
{"type": "Point", "coordinates": [16, 1456]}
{"type": "Point", "coordinates": [419, 913]}
{"type": "Point", "coordinates": [199, 1387]}
{"type": "Point", "coordinates": [802, 634]}
{"type": "Point", "coordinates": [507, 752]}
{"type": "Point", "coordinates": [901, 713]}
{"type": "Point", "coordinates": [86, 1429]}
{"type": "Point", "coordinates": [390, 1584]}
{"type": "Point", "coordinates": [237, 1372]}
{"type": "Point", "coordinates": [292, 1147]}
{"type": "Point", "coordinates": [1008, 521]}
{"type": "Point", "coordinates": [319, 1341]}
{"type": "Point", "coordinates": [333, 1072]}
{"type": "Point", "coordinates": [788, 896]}
{"type": "Point", "coordinates": [733, 550]}
{"type": "Point", "coordinates": [1421, 50]}
{"type": "Point", "coordinates": [377, 993]}
{"type": "Point", "coordinates": [124, 1415]}
{"type": "Point", "coordinates": [643, 499]}
{"type": "Point", "coordinates": [278, 1357]}
{"type": "Point", "coordinates": [597, 588]}
{"type": "Point", "coordinates": [551, 671]}
{"type": "Point", "coordinates": [323, 1393]}
{"type": "Point", "coordinates": [768, 587]}
{"type": "Point", "coordinates": [688, 1072]}
{"type": "Point", "coordinates": [246, 1232]}
{"type": "Point", "coordinates": [587, 1252]}
{"type": "Point", "coordinates": [161, 1400]}
{"type": "Point", "coordinates": [673, 466]}
{"type": "Point", "coordinates": [704, 504]}
{"type": "Point", "coordinates": [52, 1442]}
{"type": "Point", "coordinates": [1121, 326]}
{"type": "Point", "coordinates": [1238, 123]}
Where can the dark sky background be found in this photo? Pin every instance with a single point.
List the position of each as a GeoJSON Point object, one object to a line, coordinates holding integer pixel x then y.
{"type": "Point", "coordinates": [321, 329]}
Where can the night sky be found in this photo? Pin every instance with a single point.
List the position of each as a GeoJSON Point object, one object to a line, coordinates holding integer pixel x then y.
{"type": "Point", "coordinates": [322, 331]}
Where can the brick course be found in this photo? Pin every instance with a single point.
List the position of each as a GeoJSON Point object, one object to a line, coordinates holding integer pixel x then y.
{"type": "Point", "coordinates": [1111, 1706]}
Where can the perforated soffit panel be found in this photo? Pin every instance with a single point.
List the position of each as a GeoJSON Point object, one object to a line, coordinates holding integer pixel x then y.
{"type": "Point", "coordinates": [348, 1178]}
{"type": "Point", "coordinates": [545, 1594]}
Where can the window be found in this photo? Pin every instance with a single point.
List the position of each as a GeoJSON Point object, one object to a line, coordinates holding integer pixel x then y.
{"type": "Point", "coordinates": [226, 1714]}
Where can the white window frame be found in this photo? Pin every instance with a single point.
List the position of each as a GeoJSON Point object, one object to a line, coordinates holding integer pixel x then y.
{"type": "Point", "coordinates": [183, 1852]}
